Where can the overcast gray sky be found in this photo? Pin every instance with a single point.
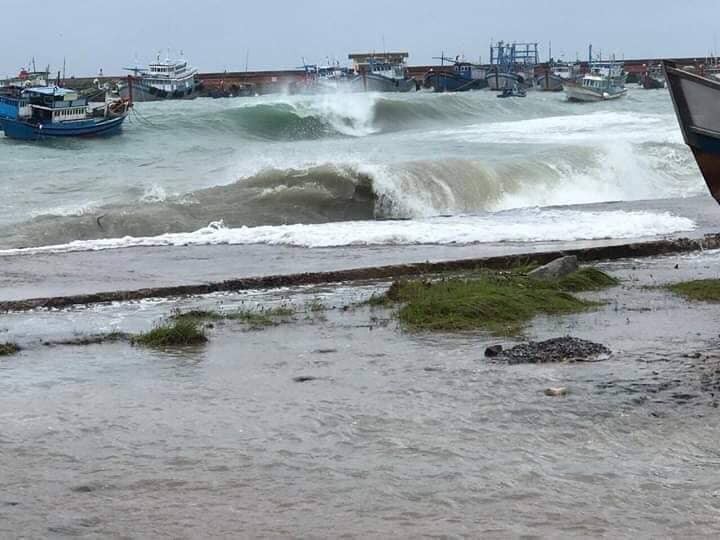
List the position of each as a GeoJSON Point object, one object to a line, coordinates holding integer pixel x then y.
{"type": "Point", "coordinates": [217, 34]}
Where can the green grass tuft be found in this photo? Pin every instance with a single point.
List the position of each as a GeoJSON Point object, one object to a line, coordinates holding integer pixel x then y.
{"type": "Point", "coordinates": [198, 316]}
{"type": "Point", "coordinates": [8, 349]}
{"type": "Point", "coordinates": [704, 290]}
{"type": "Point", "coordinates": [587, 279]}
{"type": "Point", "coordinates": [501, 303]}
{"type": "Point", "coordinates": [261, 317]}
{"type": "Point", "coordinates": [176, 333]}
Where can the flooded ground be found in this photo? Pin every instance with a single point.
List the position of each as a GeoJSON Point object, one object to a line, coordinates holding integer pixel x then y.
{"type": "Point", "coordinates": [396, 434]}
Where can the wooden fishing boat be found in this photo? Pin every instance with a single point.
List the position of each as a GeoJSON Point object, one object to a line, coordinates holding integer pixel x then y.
{"type": "Point", "coordinates": [653, 78]}
{"type": "Point", "coordinates": [697, 104]}
{"type": "Point", "coordinates": [512, 65]}
{"type": "Point", "coordinates": [162, 80]}
{"type": "Point", "coordinates": [380, 75]}
{"type": "Point", "coordinates": [51, 112]}
{"type": "Point", "coordinates": [461, 77]}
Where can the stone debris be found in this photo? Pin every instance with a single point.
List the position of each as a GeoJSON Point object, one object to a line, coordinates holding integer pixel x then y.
{"type": "Point", "coordinates": [556, 269]}
{"type": "Point", "coordinates": [493, 351]}
{"type": "Point", "coordinates": [564, 349]}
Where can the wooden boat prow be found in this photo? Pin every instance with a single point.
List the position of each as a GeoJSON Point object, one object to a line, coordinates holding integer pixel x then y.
{"type": "Point", "coordinates": [697, 104]}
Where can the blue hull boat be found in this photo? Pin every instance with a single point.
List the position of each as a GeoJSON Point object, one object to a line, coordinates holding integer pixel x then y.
{"type": "Point", "coordinates": [52, 113]}
{"type": "Point", "coordinates": [26, 131]}
{"type": "Point", "coordinates": [451, 82]}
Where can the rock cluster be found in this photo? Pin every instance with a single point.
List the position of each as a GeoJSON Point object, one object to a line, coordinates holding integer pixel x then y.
{"type": "Point", "coordinates": [564, 349]}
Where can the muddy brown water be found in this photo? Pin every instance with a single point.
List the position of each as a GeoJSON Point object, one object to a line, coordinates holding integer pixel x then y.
{"type": "Point", "coordinates": [392, 434]}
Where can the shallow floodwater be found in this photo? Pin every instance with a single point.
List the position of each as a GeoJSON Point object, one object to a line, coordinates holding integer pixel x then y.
{"type": "Point", "coordinates": [400, 434]}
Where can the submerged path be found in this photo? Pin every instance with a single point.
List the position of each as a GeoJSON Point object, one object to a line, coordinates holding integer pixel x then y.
{"type": "Point", "coordinates": [587, 253]}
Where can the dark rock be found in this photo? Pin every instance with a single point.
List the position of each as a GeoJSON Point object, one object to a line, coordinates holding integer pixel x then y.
{"type": "Point", "coordinates": [556, 269]}
{"type": "Point", "coordinates": [493, 351]}
{"type": "Point", "coordinates": [555, 350]}
{"type": "Point", "coordinates": [304, 379]}
{"type": "Point", "coordinates": [325, 351]}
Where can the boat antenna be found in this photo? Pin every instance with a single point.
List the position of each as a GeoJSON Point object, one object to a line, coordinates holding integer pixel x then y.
{"type": "Point", "coordinates": [247, 59]}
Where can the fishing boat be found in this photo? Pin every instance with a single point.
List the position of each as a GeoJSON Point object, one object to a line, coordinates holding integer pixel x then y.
{"type": "Point", "coordinates": [323, 79]}
{"type": "Point", "coordinates": [653, 78]}
{"type": "Point", "coordinates": [11, 101]}
{"type": "Point", "coordinates": [604, 81]}
{"type": "Point", "coordinates": [556, 75]}
{"type": "Point", "coordinates": [460, 77]}
{"type": "Point", "coordinates": [52, 112]}
{"type": "Point", "coordinates": [161, 80]}
{"type": "Point", "coordinates": [27, 79]}
{"type": "Point", "coordinates": [697, 104]}
{"type": "Point", "coordinates": [381, 73]}
{"type": "Point", "coordinates": [512, 65]}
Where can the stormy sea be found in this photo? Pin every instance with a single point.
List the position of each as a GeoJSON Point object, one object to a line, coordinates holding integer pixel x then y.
{"type": "Point", "coordinates": [356, 169]}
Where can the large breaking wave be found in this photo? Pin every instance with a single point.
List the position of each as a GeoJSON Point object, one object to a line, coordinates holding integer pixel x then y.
{"type": "Point", "coordinates": [468, 156]}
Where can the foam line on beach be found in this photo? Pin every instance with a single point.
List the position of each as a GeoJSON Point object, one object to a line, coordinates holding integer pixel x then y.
{"type": "Point", "coordinates": [531, 225]}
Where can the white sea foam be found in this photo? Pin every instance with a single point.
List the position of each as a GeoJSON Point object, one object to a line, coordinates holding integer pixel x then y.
{"type": "Point", "coordinates": [533, 225]}
{"type": "Point", "coordinates": [573, 129]}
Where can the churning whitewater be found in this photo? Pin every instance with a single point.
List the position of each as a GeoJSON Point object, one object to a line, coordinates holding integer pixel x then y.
{"type": "Point", "coordinates": [365, 169]}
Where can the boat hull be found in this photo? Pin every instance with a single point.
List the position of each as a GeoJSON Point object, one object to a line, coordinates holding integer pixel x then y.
{"type": "Point", "coordinates": [503, 81]}
{"type": "Point", "coordinates": [652, 83]}
{"type": "Point", "coordinates": [550, 83]}
{"type": "Point", "coordinates": [579, 93]}
{"type": "Point", "coordinates": [697, 104]}
{"type": "Point", "coordinates": [25, 131]}
{"type": "Point", "coordinates": [450, 82]}
{"type": "Point", "coordinates": [371, 82]}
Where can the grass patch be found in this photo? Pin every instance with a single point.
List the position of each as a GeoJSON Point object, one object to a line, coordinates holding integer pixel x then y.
{"type": "Point", "coordinates": [261, 317]}
{"type": "Point", "coordinates": [704, 290]}
{"type": "Point", "coordinates": [176, 333]}
{"type": "Point", "coordinates": [377, 300]}
{"type": "Point", "coordinates": [499, 302]}
{"type": "Point", "coordinates": [97, 339]}
{"type": "Point", "coordinates": [8, 349]}
{"type": "Point", "coordinates": [198, 316]}
{"type": "Point", "coordinates": [587, 279]}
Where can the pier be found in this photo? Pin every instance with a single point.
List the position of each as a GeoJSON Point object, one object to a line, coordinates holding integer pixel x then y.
{"type": "Point", "coordinates": [274, 81]}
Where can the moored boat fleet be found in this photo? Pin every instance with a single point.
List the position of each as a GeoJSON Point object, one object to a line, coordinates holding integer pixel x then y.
{"type": "Point", "coordinates": [32, 107]}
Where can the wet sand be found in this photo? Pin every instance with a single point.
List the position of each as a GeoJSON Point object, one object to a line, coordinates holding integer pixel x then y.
{"type": "Point", "coordinates": [397, 434]}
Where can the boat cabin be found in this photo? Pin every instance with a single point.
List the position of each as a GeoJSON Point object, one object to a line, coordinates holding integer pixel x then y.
{"type": "Point", "coordinates": [167, 76]}
{"type": "Point", "coordinates": [389, 65]}
{"type": "Point", "coordinates": [595, 82]}
{"type": "Point", "coordinates": [54, 105]}
{"type": "Point", "coordinates": [469, 71]}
